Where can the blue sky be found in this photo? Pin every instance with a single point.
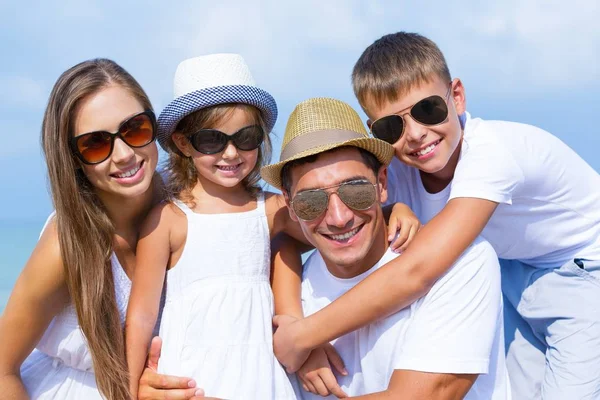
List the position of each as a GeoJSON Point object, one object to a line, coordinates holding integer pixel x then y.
{"type": "Point", "coordinates": [529, 61]}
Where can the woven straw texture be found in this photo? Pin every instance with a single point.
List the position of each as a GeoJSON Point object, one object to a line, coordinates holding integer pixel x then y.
{"type": "Point", "coordinates": [325, 117]}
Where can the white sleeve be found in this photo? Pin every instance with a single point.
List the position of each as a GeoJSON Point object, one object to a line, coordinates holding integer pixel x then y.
{"type": "Point", "coordinates": [453, 327]}
{"type": "Point", "coordinates": [486, 170]}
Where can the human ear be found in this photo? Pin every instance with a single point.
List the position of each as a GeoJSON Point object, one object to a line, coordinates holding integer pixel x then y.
{"type": "Point", "coordinates": [182, 143]}
{"type": "Point", "coordinates": [382, 182]}
{"type": "Point", "coordinates": [369, 123]}
{"type": "Point", "coordinates": [458, 96]}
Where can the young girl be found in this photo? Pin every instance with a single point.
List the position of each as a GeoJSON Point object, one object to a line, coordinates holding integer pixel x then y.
{"type": "Point", "coordinates": [213, 238]}
{"type": "Point", "coordinates": [69, 302]}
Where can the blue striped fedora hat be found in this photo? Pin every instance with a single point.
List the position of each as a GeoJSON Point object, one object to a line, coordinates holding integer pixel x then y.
{"type": "Point", "coordinates": [210, 80]}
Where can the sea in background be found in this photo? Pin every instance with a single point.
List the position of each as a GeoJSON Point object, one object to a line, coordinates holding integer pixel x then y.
{"type": "Point", "coordinates": [17, 240]}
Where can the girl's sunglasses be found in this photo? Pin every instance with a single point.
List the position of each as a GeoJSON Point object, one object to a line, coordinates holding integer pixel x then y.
{"type": "Point", "coordinates": [95, 147]}
{"type": "Point", "coordinates": [212, 141]}
{"type": "Point", "coordinates": [358, 194]}
{"type": "Point", "coordinates": [430, 111]}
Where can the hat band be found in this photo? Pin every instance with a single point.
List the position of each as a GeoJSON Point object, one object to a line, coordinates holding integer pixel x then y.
{"type": "Point", "coordinates": [315, 139]}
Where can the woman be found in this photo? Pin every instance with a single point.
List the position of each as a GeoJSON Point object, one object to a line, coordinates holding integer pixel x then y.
{"type": "Point", "coordinates": [69, 301]}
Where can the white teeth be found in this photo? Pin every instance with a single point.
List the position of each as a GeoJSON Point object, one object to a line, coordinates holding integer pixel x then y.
{"type": "Point", "coordinates": [228, 167]}
{"type": "Point", "coordinates": [345, 236]}
{"type": "Point", "coordinates": [129, 173]}
{"type": "Point", "coordinates": [426, 150]}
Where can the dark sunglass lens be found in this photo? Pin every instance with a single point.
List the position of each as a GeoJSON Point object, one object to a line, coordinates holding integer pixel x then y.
{"type": "Point", "coordinates": [208, 141]}
{"type": "Point", "coordinates": [388, 128]}
{"type": "Point", "coordinates": [358, 195]}
{"type": "Point", "coordinates": [310, 204]}
{"type": "Point", "coordinates": [138, 131]}
{"type": "Point", "coordinates": [249, 138]}
{"type": "Point", "coordinates": [94, 147]}
{"type": "Point", "coordinates": [430, 111]}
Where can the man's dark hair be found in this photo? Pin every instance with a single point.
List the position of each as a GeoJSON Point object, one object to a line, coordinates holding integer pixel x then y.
{"type": "Point", "coordinates": [286, 172]}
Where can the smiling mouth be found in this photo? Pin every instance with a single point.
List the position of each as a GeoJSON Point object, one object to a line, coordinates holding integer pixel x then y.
{"type": "Point", "coordinates": [426, 150]}
{"type": "Point", "coordinates": [228, 167]}
{"type": "Point", "coordinates": [344, 237]}
{"type": "Point", "coordinates": [130, 172]}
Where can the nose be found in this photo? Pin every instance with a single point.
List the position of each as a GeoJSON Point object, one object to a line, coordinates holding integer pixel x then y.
{"type": "Point", "coordinates": [414, 131]}
{"type": "Point", "coordinates": [230, 151]}
{"type": "Point", "coordinates": [122, 152]}
{"type": "Point", "coordinates": [338, 214]}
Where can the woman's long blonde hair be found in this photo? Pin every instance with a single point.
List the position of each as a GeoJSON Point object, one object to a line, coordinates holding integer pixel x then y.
{"type": "Point", "coordinates": [85, 231]}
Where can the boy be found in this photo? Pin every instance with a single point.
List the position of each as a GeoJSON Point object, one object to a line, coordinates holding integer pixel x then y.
{"type": "Point", "coordinates": [534, 199]}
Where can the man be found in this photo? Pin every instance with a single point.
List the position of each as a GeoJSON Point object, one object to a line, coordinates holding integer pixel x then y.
{"type": "Point", "coordinates": [446, 345]}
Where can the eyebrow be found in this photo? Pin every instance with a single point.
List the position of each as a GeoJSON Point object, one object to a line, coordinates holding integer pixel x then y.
{"type": "Point", "coordinates": [353, 178]}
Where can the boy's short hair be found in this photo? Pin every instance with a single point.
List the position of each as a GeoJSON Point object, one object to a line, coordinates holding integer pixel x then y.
{"type": "Point", "coordinates": [393, 65]}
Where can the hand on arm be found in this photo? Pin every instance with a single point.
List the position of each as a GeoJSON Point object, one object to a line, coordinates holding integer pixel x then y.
{"type": "Point", "coordinates": [316, 375]}
{"type": "Point", "coordinates": [392, 287]}
{"type": "Point", "coordinates": [401, 221]}
{"type": "Point", "coordinates": [152, 256]}
{"type": "Point", "coordinates": [39, 294]}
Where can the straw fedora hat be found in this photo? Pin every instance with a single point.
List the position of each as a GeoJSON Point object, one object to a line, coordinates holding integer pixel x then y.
{"type": "Point", "coordinates": [210, 80]}
{"type": "Point", "coordinates": [320, 124]}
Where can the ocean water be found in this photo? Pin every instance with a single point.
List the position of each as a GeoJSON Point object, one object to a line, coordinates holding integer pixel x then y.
{"type": "Point", "coordinates": [17, 240]}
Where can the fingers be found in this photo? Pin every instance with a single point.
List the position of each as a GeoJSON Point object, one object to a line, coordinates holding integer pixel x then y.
{"type": "Point", "coordinates": [334, 359]}
{"type": "Point", "coordinates": [154, 353]}
{"type": "Point", "coordinates": [282, 319]}
{"type": "Point", "coordinates": [175, 394]}
{"type": "Point", "coordinates": [411, 235]}
{"type": "Point", "coordinates": [393, 227]}
{"type": "Point", "coordinates": [402, 237]}
{"type": "Point", "coordinates": [323, 383]}
{"type": "Point", "coordinates": [165, 382]}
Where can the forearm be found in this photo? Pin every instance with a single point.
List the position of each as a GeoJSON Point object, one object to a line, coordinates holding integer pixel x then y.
{"type": "Point", "coordinates": [12, 387]}
{"type": "Point", "coordinates": [286, 276]}
{"type": "Point", "coordinates": [138, 333]}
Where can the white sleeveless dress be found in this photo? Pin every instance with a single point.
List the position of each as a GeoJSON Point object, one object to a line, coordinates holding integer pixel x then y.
{"type": "Point", "coordinates": [217, 321]}
{"type": "Point", "coordinates": [60, 367]}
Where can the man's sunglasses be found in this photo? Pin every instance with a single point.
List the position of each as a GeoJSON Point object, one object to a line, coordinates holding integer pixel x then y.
{"type": "Point", "coordinates": [212, 141]}
{"type": "Point", "coordinates": [95, 147]}
{"type": "Point", "coordinates": [432, 110]}
{"type": "Point", "coordinates": [359, 195]}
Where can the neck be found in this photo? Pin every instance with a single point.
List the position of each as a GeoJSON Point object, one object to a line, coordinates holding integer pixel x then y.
{"type": "Point", "coordinates": [127, 214]}
{"type": "Point", "coordinates": [438, 181]}
{"type": "Point", "coordinates": [206, 190]}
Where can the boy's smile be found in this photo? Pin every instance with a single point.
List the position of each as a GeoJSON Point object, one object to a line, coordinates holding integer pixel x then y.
{"type": "Point", "coordinates": [433, 149]}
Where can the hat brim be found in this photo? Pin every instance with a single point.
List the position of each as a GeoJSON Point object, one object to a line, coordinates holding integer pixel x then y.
{"type": "Point", "coordinates": [184, 105]}
{"type": "Point", "coordinates": [380, 149]}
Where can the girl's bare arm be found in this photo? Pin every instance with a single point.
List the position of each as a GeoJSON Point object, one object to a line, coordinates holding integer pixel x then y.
{"type": "Point", "coordinates": [152, 257]}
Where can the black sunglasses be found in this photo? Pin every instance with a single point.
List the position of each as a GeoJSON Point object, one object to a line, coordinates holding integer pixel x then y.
{"type": "Point", "coordinates": [212, 141]}
{"type": "Point", "coordinates": [432, 110]}
{"type": "Point", "coordinates": [357, 194]}
{"type": "Point", "coordinates": [95, 147]}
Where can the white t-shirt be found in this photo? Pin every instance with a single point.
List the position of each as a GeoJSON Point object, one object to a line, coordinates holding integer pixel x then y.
{"type": "Point", "coordinates": [549, 197]}
{"type": "Point", "coordinates": [455, 328]}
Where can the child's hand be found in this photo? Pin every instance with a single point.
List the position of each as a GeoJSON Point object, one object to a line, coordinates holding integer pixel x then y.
{"type": "Point", "coordinates": [286, 342]}
{"type": "Point", "coordinates": [316, 375]}
{"type": "Point", "coordinates": [404, 220]}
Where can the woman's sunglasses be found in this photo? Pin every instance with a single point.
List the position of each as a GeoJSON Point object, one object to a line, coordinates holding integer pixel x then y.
{"type": "Point", "coordinates": [95, 147]}
{"type": "Point", "coordinates": [432, 110]}
{"type": "Point", "coordinates": [212, 141]}
{"type": "Point", "coordinates": [358, 194]}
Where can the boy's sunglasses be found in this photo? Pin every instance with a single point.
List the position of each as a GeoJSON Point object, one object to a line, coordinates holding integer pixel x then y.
{"type": "Point", "coordinates": [432, 110]}
{"type": "Point", "coordinates": [212, 141]}
{"type": "Point", "coordinates": [358, 194]}
{"type": "Point", "coordinates": [95, 147]}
